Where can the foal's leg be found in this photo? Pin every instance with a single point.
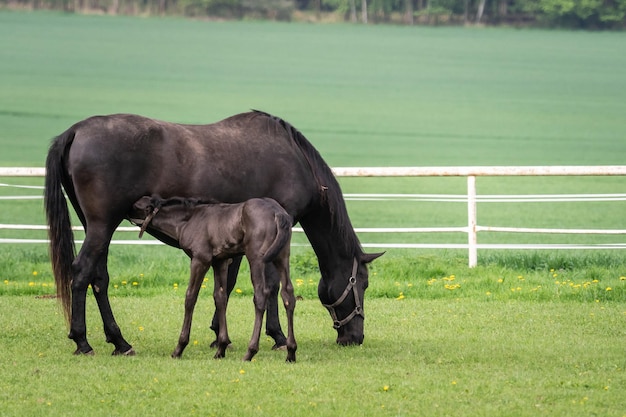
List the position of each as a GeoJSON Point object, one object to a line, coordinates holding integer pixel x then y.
{"type": "Point", "coordinates": [231, 280]}
{"type": "Point", "coordinates": [220, 295]}
{"type": "Point", "coordinates": [198, 271]}
{"type": "Point", "coordinates": [261, 294]}
{"type": "Point", "coordinates": [272, 323]}
{"type": "Point", "coordinates": [289, 301]}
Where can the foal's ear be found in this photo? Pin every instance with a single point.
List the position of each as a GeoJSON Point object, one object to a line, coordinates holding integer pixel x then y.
{"type": "Point", "coordinates": [144, 203]}
{"type": "Point", "coordinates": [369, 257]}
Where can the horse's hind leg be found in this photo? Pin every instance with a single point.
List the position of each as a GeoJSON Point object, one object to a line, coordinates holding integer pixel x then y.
{"type": "Point", "coordinates": [198, 270]}
{"type": "Point", "coordinates": [100, 286]}
{"type": "Point", "coordinates": [89, 267]}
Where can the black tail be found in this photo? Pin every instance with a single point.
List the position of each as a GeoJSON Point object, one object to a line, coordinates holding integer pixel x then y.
{"type": "Point", "coordinates": [283, 235]}
{"type": "Point", "coordinates": [62, 248]}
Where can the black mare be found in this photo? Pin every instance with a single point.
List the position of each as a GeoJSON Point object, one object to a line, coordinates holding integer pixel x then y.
{"type": "Point", "coordinates": [106, 163]}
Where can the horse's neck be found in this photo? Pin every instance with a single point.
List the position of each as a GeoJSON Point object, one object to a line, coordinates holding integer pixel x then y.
{"type": "Point", "coordinates": [331, 247]}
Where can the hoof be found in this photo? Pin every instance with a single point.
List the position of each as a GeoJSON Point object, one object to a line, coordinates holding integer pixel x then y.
{"type": "Point", "coordinates": [78, 352]}
{"type": "Point", "coordinates": [214, 345]}
{"type": "Point", "coordinates": [279, 347]}
{"type": "Point", "coordinates": [129, 352]}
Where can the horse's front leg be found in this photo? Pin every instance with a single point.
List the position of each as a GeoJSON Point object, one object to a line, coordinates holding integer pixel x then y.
{"type": "Point", "coordinates": [198, 271]}
{"type": "Point", "coordinates": [220, 296]}
{"type": "Point", "coordinates": [261, 294]}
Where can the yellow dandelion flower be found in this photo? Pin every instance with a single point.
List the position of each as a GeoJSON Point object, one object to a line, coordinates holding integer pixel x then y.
{"type": "Point", "coordinates": [386, 388]}
{"type": "Point", "coordinates": [238, 291]}
{"type": "Point", "coordinates": [400, 296]}
{"type": "Point", "coordinates": [135, 283]}
{"type": "Point", "coordinates": [141, 328]}
{"type": "Point", "coordinates": [609, 289]}
{"type": "Point", "coordinates": [124, 282]}
{"type": "Point", "coordinates": [35, 273]}
{"type": "Point", "coordinates": [241, 371]}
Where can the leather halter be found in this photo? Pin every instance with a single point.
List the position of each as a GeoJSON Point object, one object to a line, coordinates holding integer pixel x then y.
{"type": "Point", "coordinates": [358, 310]}
{"type": "Point", "coordinates": [145, 223]}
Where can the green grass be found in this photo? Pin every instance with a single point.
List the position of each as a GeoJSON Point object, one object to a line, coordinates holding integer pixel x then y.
{"type": "Point", "coordinates": [376, 95]}
{"type": "Point", "coordinates": [524, 333]}
{"type": "Point", "coordinates": [420, 357]}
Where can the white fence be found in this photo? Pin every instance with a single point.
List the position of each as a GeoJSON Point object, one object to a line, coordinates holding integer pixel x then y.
{"type": "Point", "coordinates": [470, 199]}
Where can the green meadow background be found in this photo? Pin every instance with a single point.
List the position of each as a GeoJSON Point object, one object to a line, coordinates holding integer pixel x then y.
{"type": "Point", "coordinates": [524, 333]}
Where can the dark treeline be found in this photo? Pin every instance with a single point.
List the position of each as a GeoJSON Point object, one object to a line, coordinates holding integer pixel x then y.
{"type": "Point", "coordinates": [587, 14]}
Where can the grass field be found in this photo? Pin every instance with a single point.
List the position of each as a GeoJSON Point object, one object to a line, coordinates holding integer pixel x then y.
{"type": "Point", "coordinates": [421, 358]}
{"type": "Point", "coordinates": [525, 333]}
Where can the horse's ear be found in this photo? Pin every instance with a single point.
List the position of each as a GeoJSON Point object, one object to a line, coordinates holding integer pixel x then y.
{"type": "Point", "coordinates": [369, 257]}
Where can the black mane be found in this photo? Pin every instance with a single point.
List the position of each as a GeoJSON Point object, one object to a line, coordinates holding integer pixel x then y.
{"type": "Point", "coordinates": [331, 197]}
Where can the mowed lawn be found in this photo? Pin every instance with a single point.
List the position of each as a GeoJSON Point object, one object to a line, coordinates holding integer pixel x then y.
{"type": "Point", "coordinates": [420, 358]}
{"type": "Point", "coordinates": [525, 334]}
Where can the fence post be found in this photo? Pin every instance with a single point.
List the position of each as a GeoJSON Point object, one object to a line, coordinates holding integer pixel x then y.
{"type": "Point", "coordinates": [471, 221]}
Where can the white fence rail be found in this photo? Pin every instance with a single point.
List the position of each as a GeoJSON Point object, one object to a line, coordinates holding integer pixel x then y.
{"type": "Point", "coordinates": [470, 199]}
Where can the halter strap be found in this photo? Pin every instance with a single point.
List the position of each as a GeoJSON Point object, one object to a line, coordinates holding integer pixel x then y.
{"type": "Point", "coordinates": [145, 223]}
{"type": "Point", "coordinates": [358, 310]}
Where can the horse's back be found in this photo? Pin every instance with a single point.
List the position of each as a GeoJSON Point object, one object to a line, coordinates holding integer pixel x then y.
{"type": "Point", "coordinates": [116, 159]}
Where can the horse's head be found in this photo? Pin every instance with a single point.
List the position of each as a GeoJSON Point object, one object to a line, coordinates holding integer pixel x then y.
{"type": "Point", "coordinates": [343, 294]}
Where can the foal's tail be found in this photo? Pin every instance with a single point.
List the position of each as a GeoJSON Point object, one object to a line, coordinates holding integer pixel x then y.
{"type": "Point", "coordinates": [283, 235]}
{"type": "Point", "coordinates": [62, 248]}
